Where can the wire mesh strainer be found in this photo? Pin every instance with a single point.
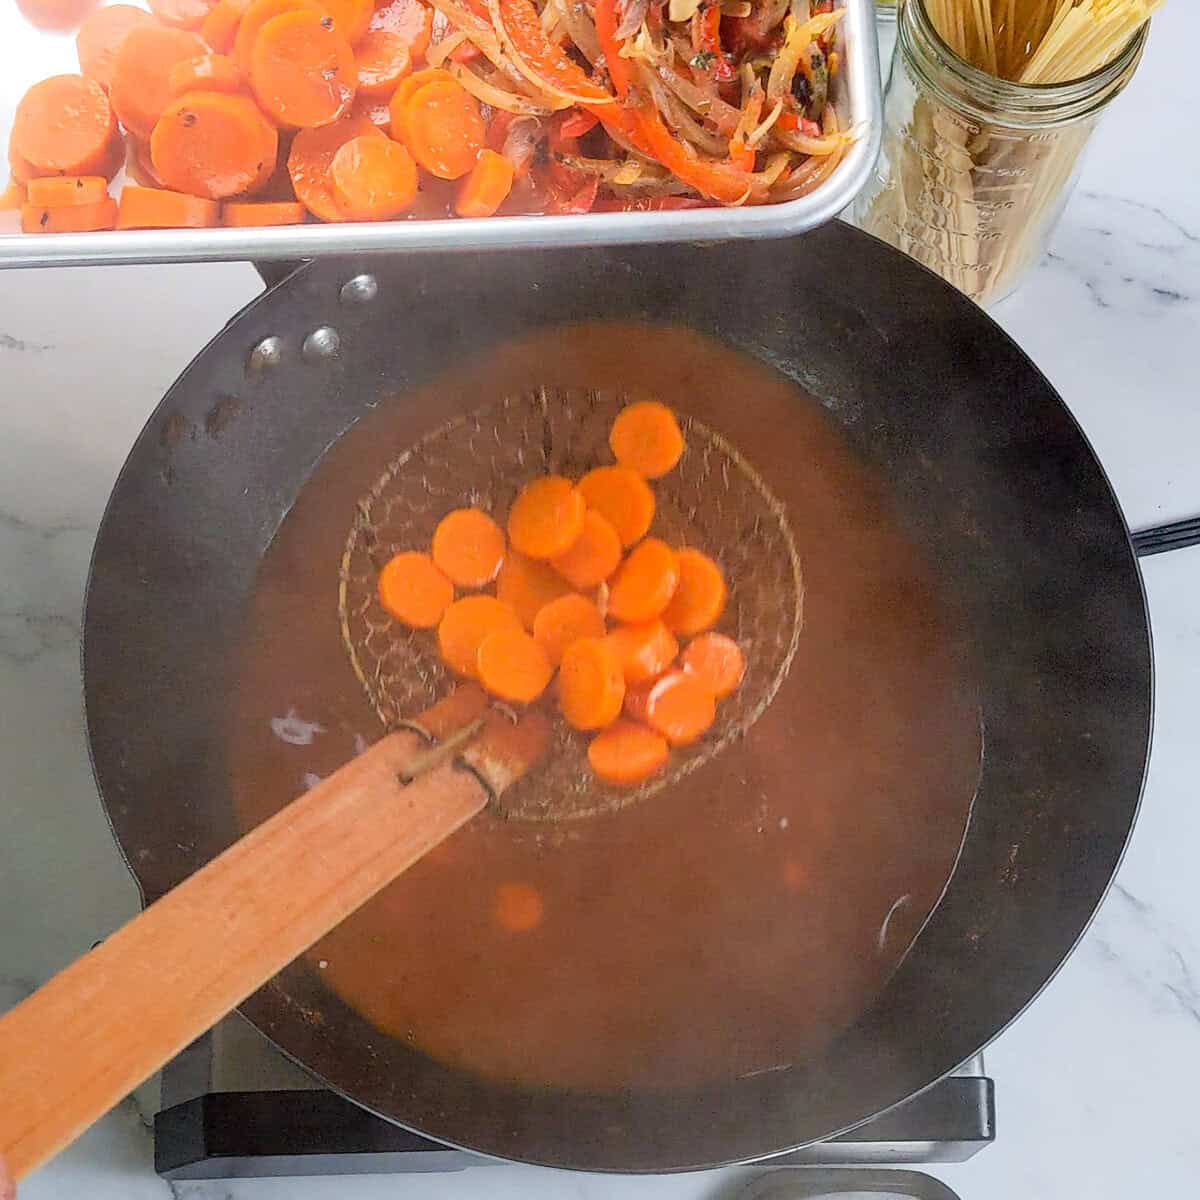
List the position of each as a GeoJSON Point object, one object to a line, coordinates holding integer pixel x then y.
{"type": "Point", "coordinates": [713, 500]}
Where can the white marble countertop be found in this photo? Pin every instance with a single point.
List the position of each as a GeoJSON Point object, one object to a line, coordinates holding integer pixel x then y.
{"type": "Point", "coordinates": [1094, 1082]}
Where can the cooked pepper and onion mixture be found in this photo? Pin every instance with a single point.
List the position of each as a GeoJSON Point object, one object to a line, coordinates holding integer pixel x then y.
{"type": "Point", "coordinates": [271, 112]}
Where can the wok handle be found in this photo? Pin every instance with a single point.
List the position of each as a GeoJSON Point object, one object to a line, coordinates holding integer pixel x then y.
{"type": "Point", "coordinates": [96, 1030]}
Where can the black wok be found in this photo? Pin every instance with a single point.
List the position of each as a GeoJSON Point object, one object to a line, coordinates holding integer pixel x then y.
{"type": "Point", "coordinates": [999, 485]}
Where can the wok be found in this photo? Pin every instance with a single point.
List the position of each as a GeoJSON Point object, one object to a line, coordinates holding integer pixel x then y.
{"type": "Point", "coordinates": [996, 483]}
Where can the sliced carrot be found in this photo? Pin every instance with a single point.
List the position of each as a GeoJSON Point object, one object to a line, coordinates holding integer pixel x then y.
{"type": "Point", "coordinates": [486, 187]}
{"type": "Point", "coordinates": [594, 555]}
{"type": "Point", "coordinates": [679, 707]}
{"type": "Point", "coordinates": [444, 129]}
{"type": "Point", "coordinates": [373, 179]}
{"type": "Point", "coordinates": [644, 583]}
{"type": "Point", "coordinates": [414, 591]}
{"type": "Point", "coordinates": [646, 650]}
{"type": "Point", "coordinates": [591, 686]}
{"type": "Point", "coordinates": [206, 73]}
{"type": "Point", "coordinates": [141, 74]}
{"type": "Point", "coordinates": [54, 191]}
{"type": "Point", "coordinates": [715, 660]}
{"type": "Point", "coordinates": [101, 35]}
{"type": "Point", "coordinates": [513, 666]}
{"type": "Point", "coordinates": [623, 498]}
{"type": "Point", "coordinates": [255, 15]}
{"type": "Point", "coordinates": [350, 17]}
{"type": "Point", "coordinates": [20, 170]}
{"type": "Point", "coordinates": [627, 753]}
{"type": "Point", "coordinates": [646, 438]}
{"type": "Point", "coordinates": [519, 907]}
{"type": "Point", "coordinates": [13, 196]}
{"type": "Point", "coordinates": [469, 546]}
{"type": "Point", "coordinates": [465, 625]}
{"type": "Point", "coordinates": [302, 70]}
{"type": "Point", "coordinates": [69, 218]}
{"type": "Point", "coordinates": [155, 208]}
{"type": "Point", "coordinates": [699, 599]}
{"type": "Point", "coordinates": [547, 516]}
{"type": "Point", "coordinates": [408, 88]}
{"type": "Point", "coordinates": [564, 621]}
{"type": "Point", "coordinates": [56, 15]}
{"type": "Point", "coordinates": [411, 20]}
{"type": "Point", "coordinates": [373, 109]}
{"type": "Point", "coordinates": [637, 701]}
{"type": "Point", "coordinates": [383, 59]}
{"type": "Point", "coordinates": [62, 124]}
{"type": "Point", "coordinates": [106, 164]}
{"type": "Point", "coordinates": [214, 145]}
{"type": "Point", "coordinates": [271, 212]}
{"type": "Point", "coordinates": [183, 14]}
{"type": "Point", "coordinates": [311, 157]}
{"type": "Point", "coordinates": [221, 25]}
{"type": "Point", "coordinates": [527, 586]}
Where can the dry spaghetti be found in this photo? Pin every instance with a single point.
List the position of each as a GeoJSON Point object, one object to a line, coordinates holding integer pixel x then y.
{"type": "Point", "coordinates": [979, 168]}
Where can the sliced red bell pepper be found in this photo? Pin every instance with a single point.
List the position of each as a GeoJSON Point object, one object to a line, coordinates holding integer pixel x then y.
{"type": "Point", "coordinates": [498, 129]}
{"type": "Point", "coordinates": [576, 123]}
{"type": "Point", "coordinates": [580, 200]}
{"type": "Point", "coordinates": [524, 29]}
{"type": "Point", "coordinates": [641, 124]}
{"type": "Point", "coordinates": [794, 121]}
{"type": "Point", "coordinates": [706, 38]}
{"type": "Point", "coordinates": [741, 155]}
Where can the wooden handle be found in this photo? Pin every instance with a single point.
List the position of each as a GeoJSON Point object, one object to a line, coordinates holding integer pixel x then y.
{"type": "Point", "coordinates": [99, 1028]}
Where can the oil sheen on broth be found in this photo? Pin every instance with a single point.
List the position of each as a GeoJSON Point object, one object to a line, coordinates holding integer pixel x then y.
{"type": "Point", "coordinates": [736, 921]}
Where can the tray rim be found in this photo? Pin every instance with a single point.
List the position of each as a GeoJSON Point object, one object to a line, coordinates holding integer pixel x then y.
{"type": "Point", "coordinates": [864, 110]}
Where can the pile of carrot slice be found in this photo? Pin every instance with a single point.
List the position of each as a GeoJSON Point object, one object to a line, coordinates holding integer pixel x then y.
{"type": "Point", "coordinates": [247, 112]}
{"type": "Point", "coordinates": [575, 584]}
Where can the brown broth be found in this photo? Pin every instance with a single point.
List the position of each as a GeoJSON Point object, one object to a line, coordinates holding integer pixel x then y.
{"type": "Point", "coordinates": [731, 923]}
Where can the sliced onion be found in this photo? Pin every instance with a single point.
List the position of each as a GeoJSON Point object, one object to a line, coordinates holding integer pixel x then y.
{"type": "Point", "coordinates": [798, 36]}
{"type": "Point", "coordinates": [497, 97]}
{"type": "Point", "coordinates": [801, 9]}
{"type": "Point", "coordinates": [580, 27]}
{"type": "Point", "coordinates": [724, 116]}
{"type": "Point", "coordinates": [611, 170]}
{"type": "Point", "coordinates": [752, 106]}
{"type": "Point", "coordinates": [811, 174]}
{"type": "Point", "coordinates": [682, 10]}
{"type": "Point", "coordinates": [679, 117]}
{"type": "Point", "coordinates": [633, 13]}
{"type": "Point", "coordinates": [655, 185]}
{"type": "Point", "coordinates": [630, 172]}
{"type": "Point", "coordinates": [761, 130]}
{"type": "Point", "coordinates": [479, 32]}
{"type": "Point", "coordinates": [802, 143]}
{"type": "Point", "coordinates": [776, 165]}
{"type": "Point", "coordinates": [547, 87]}
{"type": "Point", "coordinates": [442, 49]}
{"type": "Point", "coordinates": [521, 142]}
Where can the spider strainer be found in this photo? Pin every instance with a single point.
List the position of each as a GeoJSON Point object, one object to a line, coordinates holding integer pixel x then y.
{"type": "Point", "coordinates": [713, 500]}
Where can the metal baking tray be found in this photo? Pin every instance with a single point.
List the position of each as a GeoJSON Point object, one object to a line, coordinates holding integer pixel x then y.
{"type": "Point", "coordinates": [30, 55]}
